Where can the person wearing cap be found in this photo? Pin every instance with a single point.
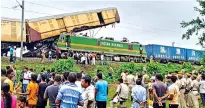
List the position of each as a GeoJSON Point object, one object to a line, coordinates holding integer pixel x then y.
{"type": "Point", "coordinates": [195, 89]}
{"type": "Point", "coordinates": [188, 92]}
{"type": "Point", "coordinates": [181, 84]}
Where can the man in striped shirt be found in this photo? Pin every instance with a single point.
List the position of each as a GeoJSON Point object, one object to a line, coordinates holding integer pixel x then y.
{"type": "Point", "coordinates": [69, 96]}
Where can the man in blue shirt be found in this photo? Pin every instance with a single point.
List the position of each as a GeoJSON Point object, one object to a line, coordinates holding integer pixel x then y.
{"type": "Point", "coordinates": [101, 91]}
{"type": "Point", "coordinates": [69, 95]}
{"type": "Point", "coordinates": [139, 95]}
{"type": "Point", "coordinates": [11, 53]}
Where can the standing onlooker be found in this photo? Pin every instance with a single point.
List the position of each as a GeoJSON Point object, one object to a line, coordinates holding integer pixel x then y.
{"type": "Point", "coordinates": [101, 91]}
{"type": "Point", "coordinates": [50, 55]}
{"type": "Point", "coordinates": [95, 78]}
{"type": "Point", "coordinates": [43, 54]}
{"type": "Point", "coordinates": [160, 92]}
{"type": "Point", "coordinates": [77, 57]}
{"type": "Point", "coordinates": [121, 94]}
{"type": "Point", "coordinates": [26, 79]}
{"type": "Point", "coordinates": [93, 58]}
{"type": "Point", "coordinates": [86, 58]}
{"type": "Point", "coordinates": [189, 96]}
{"type": "Point", "coordinates": [195, 88]}
{"type": "Point", "coordinates": [7, 100]}
{"type": "Point", "coordinates": [42, 87]}
{"type": "Point", "coordinates": [83, 60]}
{"type": "Point", "coordinates": [58, 53]}
{"type": "Point", "coordinates": [52, 91]}
{"type": "Point", "coordinates": [10, 75]}
{"type": "Point", "coordinates": [124, 75]}
{"type": "Point", "coordinates": [102, 57]}
{"type": "Point", "coordinates": [137, 75]}
{"type": "Point", "coordinates": [65, 79]}
{"type": "Point", "coordinates": [139, 95]}
{"type": "Point", "coordinates": [14, 55]}
{"type": "Point", "coordinates": [32, 92]}
{"type": "Point", "coordinates": [78, 82]}
{"type": "Point", "coordinates": [202, 89]}
{"type": "Point", "coordinates": [69, 96]}
{"type": "Point", "coordinates": [15, 75]}
{"type": "Point", "coordinates": [11, 54]}
{"type": "Point", "coordinates": [131, 80]}
{"type": "Point", "coordinates": [168, 80]}
{"type": "Point", "coordinates": [83, 73]}
{"type": "Point", "coordinates": [173, 93]}
{"type": "Point", "coordinates": [181, 84]}
{"type": "Point", "coordinates": [145, 78]}
{"type": "Point", "coordinates": [89, 92]}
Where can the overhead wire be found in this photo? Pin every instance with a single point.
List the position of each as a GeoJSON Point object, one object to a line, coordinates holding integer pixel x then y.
{"type": "Point", "coordinates": [140, 30]}
{"type": "Point", "coordinates": [45, 5]}
{"type": "Point", "coordinates": [160, 29]}
{"type": "Point", "coordinates": [25, 10]}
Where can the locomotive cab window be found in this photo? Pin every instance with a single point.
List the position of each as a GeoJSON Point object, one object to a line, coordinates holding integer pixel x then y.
{"type": "Point", "coordinates": [130, 47]}
{"type": "Point", "coordinates": [101, 18]}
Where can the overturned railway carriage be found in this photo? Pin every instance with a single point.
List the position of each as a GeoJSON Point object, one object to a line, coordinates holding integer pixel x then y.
{"type": "Point", "coordinates": [45, 30]}
{"type": "Point", "coordinates": [116, 50]}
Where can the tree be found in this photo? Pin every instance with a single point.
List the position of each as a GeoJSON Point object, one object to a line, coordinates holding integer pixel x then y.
{"type": "Point", "coordinates": [196, 26]}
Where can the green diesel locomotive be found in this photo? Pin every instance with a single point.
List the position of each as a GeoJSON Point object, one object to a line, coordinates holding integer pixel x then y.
{"type": "Point", "coordinates": [114, 50]}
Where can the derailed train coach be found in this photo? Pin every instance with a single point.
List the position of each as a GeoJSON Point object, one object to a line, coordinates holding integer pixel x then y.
{"type": "Point", "coordinates": [164, 53]}
{"type": "Point", "coordinates": [45, 30]}
{"type": "Point", "coordinates": [51, 26]}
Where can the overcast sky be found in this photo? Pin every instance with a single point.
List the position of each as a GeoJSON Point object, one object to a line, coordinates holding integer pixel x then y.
{"type": "Point", "coordinates": [147, 22]}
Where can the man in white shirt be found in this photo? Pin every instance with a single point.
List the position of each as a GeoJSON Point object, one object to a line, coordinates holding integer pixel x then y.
{"type": "Point", "coordinates": [89, 92]}
{"type": "Point", "coordinates": [83, 60]}
{"type": "Point", "coordinates": [131, 80]}
{"type": "Point", "coordinates": [102, 59]}
{"type": "Point", "coordinates": [78, 82]}
{"type": "Point", "coordinates": [121, 94]}
{"type": "Point", "coordinates": [26, 78]}
{"type": "Point", "coordinates": [124, 75]}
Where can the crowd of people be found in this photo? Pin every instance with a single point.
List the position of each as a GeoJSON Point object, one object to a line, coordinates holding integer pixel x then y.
{"type": "Point", "coordinates": [79, 90]}
{"type": "Point", "coordinates": [67, 90]}
{"type": "Point", "coordinates": [179, 89]}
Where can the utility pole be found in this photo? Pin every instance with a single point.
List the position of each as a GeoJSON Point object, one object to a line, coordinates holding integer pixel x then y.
{"type": "Point", "coordinates": [22, 29]}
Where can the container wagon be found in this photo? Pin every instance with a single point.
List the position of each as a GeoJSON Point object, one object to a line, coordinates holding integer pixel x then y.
{"type": "Point", "coordinates": [194, 56]}
{"type": "Point", "coordinates": [158, 52]}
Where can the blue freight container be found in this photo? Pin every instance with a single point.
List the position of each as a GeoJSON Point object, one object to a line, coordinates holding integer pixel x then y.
{"type": "Point", "coordinates": [194, 55]}
{"type": "Point", "coordinates": [178, 54]}
{"type": "Point", "coordinates": [158, 51]}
